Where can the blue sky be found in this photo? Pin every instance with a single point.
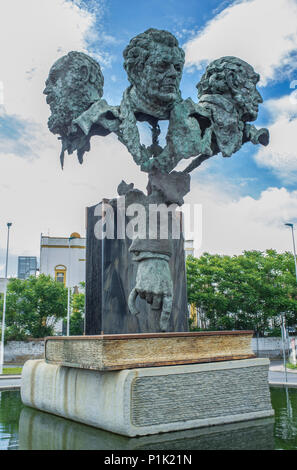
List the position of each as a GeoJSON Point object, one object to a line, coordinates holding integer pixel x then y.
{"type": "Point", "coordinates": [185, 20]}
{"type": "Point", "coordinates": [246, 199]}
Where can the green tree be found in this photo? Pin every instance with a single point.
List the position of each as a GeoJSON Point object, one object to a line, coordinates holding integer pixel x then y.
{"type": "Point", "coordinates": [249, 291]}
{"type": "Point", "coordinates": [33, 307]}
{"type": "Point", "coordinates": [77, 301]}
{"type": "Point", "coordinates": [78, 312]}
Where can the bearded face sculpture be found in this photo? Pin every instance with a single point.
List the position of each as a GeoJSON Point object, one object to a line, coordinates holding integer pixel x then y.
{"type": "Point", "coordinates": [75, 82]}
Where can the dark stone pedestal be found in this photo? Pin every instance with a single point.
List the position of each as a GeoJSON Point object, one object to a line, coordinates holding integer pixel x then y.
{"type": "Point", "coordinates": [110, 277]}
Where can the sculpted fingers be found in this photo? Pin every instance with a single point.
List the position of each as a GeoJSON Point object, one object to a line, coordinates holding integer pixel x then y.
{"type": "Point", "coordinates": [142, 294]}
{"type": "Point", "coordinates": [149, 298]}
{"type": "Point", "coordinates": [132, 300]}
{"type": "Point", "coordinates": [157, 302]}
{"type": "Point", "coordinates": [167, 303]}
{"type": "Point", "coordinates": [166, 311]}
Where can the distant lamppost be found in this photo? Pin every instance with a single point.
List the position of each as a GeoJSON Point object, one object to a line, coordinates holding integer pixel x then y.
{"type": "Point", "coordinates": [69, 288]}
{"type": "Point", "coordinates": [294, 249]}
{"type": "Point", "coordinates": [294, 253]}
{"type": "Point", "coordinates": [4, 303]}
{"type": "Point", "coordinates": [284, 337]}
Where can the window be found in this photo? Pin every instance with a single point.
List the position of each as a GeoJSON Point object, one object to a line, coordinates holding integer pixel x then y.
{"type": "Point", "coordinates": [27, 266]}
{"type": "Point", "coordinates": [60, 274]}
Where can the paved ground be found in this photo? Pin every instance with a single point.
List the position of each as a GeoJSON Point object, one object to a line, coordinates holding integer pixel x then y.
{"type": "Point", "coordinates": [276, 377]}
{"type": "Point", "coordinates": [10, 381]}
{"type": "Point", "coordinates": [277, 374]}
{"type": "Point", "coordinates": [279, 367]}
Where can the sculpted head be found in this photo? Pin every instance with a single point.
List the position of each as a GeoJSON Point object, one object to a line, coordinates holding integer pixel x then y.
{"type": "Point", "coordinates": [236, 80]}
{"type": "Point", "coordinates": [154, 64]}
{"type": "Point", "coordinates": [75, 82]}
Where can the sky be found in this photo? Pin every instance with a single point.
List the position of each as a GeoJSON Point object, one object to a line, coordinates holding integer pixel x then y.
{"type": "Point", "coordinates": [245, 199]}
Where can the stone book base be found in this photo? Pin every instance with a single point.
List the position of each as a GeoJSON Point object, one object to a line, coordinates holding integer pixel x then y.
{"type": "Point", "coordinates": [116, 352]}
{"type": "Point", "coordinates": [143, 401]}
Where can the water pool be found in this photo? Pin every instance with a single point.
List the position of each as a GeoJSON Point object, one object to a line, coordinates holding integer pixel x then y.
{"type": "Point", "coordinates": [27, 429]}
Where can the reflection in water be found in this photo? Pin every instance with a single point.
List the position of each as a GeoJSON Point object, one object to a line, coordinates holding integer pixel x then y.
{"type": "Point", "coordinates": [38, 430]}
{"type": "Point", "coordinates": [25, 428]}
{"type": "Point", "coordinates": [284, 402]}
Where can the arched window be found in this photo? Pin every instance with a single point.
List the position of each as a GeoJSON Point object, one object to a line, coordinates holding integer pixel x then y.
{"type": "Point", "coordinates": [60, 274]}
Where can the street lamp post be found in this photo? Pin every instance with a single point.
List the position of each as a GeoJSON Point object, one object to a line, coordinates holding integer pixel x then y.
{"type": "Point", "coordinates": [69, 288]}
{"type": "Point", "coordinates": [294, 248]}
{"type": "Point", "coordinates": [294, 253]}
{"type": "Point", "coordinates": [284, 344]}
{"type": "Point", "coordinates": [4, 303]}
{"type": "Point", "coordinates": [68, 299]}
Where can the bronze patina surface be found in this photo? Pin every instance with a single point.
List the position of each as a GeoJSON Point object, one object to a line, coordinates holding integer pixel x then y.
{"type": "Point", "coordinates": [219, 123]}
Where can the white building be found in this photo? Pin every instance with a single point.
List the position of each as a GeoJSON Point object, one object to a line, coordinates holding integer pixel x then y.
{"type": "Point", "coordinates": [189, 248]}
{"type": "Point", "coordinates": [64, 259]}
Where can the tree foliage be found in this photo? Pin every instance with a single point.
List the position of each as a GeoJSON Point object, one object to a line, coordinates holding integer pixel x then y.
{"type": "Point", "coordinates": [33, 307]}
{"type": "Point", "coordinates": [249, 291]}
{"type": "Point", "coordinates": [78, 312]}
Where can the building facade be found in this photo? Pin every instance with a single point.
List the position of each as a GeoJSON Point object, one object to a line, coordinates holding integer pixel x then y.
{"type": "Point", "coordinates": [64, 258]}
{"type": "Point", "coordinates": [27, 266]}
{"type": "Point", "coordinates": [189, 248]}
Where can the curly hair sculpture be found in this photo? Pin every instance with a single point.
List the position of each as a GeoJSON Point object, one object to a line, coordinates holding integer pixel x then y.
{"type": "Point", "coordinates": [141, 46]}
{"type": "Point", "coordinates": [214, 78]}
{"type": "Point", "coordinates": [79, 59]}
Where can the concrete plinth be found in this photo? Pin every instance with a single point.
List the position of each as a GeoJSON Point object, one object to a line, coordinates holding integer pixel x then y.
{"type": "Point", "coordinates": [146, 401]}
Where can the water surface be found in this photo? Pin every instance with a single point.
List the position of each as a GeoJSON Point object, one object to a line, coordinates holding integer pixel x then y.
{"type": "Point", "coordinates": [28, 429]}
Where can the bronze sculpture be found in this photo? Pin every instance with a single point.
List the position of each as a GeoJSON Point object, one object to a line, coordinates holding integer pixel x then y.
{"type": "Point", "coordinates": [218, 123]}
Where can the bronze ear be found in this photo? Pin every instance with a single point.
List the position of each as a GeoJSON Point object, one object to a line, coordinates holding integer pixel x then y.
{"type": "Point", "coordinates": [232, 80]}
{"type": "Point", "coordinates": [92, 77]}
{"type": "Point", "coordinates": [84, 73]}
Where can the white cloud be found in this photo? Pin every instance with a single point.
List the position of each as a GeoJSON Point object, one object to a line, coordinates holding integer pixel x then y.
{"type": "Point", "coordinates": [286, 106]}
{"type": "Point", "coordinates": [34, 193]}
{"type": "Point", "coordinates": [37, 196]}
{"type": "Point", "coordinates": [261, 32]}
{"type": "Point", "coordinates": [232, 226]}
{"type": "Point", "coordinates": [280, 155]}
{"type": "Point", "coordinates": [33, 35]}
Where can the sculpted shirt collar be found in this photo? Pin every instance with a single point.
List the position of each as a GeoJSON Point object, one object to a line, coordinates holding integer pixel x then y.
{"type": "Point", "coordinates": [226, 125]}
{"type": "Point", "coordinates": [97, 114]}
{"type": "Point", "coordinates": [220, 101]}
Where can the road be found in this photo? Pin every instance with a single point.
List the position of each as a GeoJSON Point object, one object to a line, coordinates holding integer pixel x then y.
{"type": "Point", "coordinates": [276, 375]}
{"type": "Point", "coordinates": [10, 382]}
{"type": "Point", "coordinates": [280, 377]}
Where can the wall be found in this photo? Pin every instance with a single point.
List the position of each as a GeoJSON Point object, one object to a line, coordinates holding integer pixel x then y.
{"type": "Point", "coordinates": [269, 347]}
{"type": "Point", "coordinates": [18, 352]}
